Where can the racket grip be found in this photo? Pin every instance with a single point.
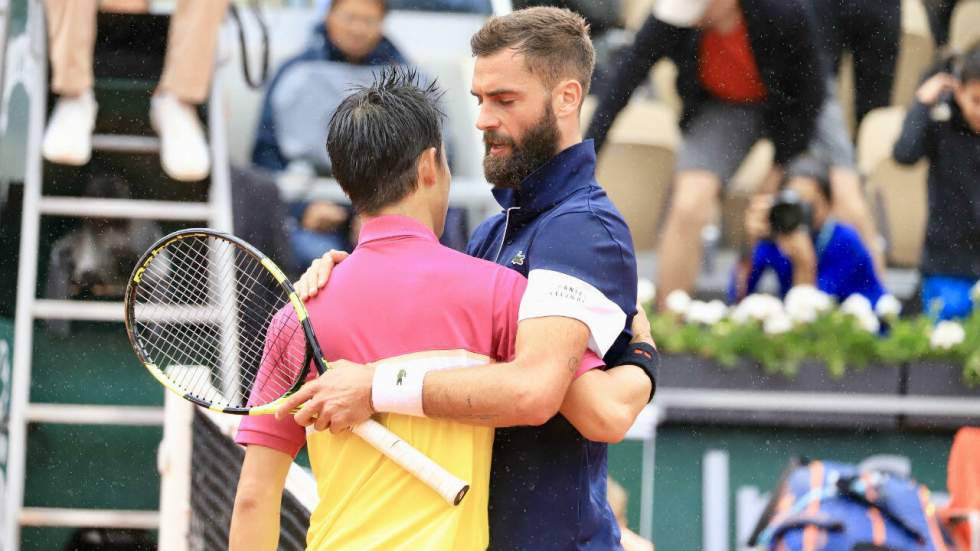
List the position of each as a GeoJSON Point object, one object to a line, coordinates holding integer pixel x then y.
{"type": "Point", "coordinates": [444, 483]}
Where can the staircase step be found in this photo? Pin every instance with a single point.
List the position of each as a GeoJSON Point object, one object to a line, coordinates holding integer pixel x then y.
{"type": "Point", "coordinates": [90, 207]}
{"type": "Point", "coordinates": [122, 143]}
{"type": "Point", "coordinates": [85, 518]}
{"type": "Point", "coordinates": [92, 414]}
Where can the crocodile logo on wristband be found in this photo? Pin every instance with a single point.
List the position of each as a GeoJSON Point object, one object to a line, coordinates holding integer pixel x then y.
{"type": "Point", "coordinates": [401, 376]}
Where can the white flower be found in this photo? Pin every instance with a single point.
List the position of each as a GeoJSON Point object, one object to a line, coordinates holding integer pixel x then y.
{"type": "Point", "coordinates": [856, 305]}
{"type": "Point", "coordinates": [946, 335]}
{"type": "Point", "coordinates": [859, 307]}
{"type": "Point", "coordinates": [646, 291]}
{"type": "Point", "coordinates": [695, 312]}
{"type": "Point", "coordinates": [777, 324]}
{"type": "Point", "coordinates": [869, 322]}
{"type": "Point", "coordinates": [678, 302]}
{"type": "Point", "coordinates": [757, 307]}
{"type": "Point", "coordinates": [707, 313]}
{"type": "Point", "coordinates": [716, 311]}
{"type": "Point", "coordinates": [888, 306]}
{"type": "Point", "coordinates": [804, 302]}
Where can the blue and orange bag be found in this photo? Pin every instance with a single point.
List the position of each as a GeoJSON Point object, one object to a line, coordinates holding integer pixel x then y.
{"type": "Point", "coordinates": [828, 506]}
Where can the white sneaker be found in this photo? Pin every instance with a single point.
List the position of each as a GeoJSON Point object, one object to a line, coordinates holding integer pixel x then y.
{"type": "Point", "coordinates": [68, 138]}
{"type": "Point", "coordinates": [183, 149]}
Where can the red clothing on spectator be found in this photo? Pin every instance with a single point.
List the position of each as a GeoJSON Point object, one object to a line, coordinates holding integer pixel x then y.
{"type": "Point", "coordinates": [728, 68]}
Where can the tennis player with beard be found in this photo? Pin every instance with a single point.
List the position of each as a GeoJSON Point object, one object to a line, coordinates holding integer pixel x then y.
{"type": "Point", "coordinates": [559, 229]}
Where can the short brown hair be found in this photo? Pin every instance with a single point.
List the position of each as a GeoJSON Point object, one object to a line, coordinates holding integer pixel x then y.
{"type": "Point", "coordinates": [555, 42]}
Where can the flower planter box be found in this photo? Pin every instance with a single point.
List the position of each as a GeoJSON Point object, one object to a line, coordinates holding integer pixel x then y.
{"type": "Point", "coordinates": [937, 378]}
{"type": "Point", "coordinates": [692, 372]}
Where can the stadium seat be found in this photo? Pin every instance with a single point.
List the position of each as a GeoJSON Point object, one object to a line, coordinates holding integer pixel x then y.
{"type": "Point", "coordinates": [637, 164]}
{"type": "Point", "coordinates": [915, 53]}
{"type": "Point", "coordinates": [964, 26]}
{"type": "Point", "coordinates": [902, 190]}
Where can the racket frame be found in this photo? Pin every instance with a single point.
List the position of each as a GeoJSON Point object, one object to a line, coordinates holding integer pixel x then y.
{"type": "Point", "coordinates": [313, 351]}
{"type": "Point", "coordinates": [447, 485]}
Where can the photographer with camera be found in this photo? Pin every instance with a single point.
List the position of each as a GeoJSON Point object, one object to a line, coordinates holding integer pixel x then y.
{"type": "Point", "coordinates": [794, 235]}
{"type": "Point", "coordinates": [943, 125]}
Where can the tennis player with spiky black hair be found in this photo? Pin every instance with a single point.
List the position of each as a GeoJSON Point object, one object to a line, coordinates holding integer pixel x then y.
{"type": "Point", "coordinates": [442, 310]}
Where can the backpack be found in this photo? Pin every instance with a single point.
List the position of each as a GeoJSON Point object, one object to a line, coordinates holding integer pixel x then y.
{"type": "Point", "coordinates": [829, 506]}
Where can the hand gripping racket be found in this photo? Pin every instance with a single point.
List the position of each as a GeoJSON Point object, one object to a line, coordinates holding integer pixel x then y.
{"type": "Point", "coordinates": [217, 322]}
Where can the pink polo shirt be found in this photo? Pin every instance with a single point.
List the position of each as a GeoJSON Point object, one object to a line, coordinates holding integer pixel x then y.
{"type": "Point", "coordinates": [402, 297]}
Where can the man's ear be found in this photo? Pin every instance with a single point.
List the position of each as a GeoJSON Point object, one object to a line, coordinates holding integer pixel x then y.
{"type": "Point", "coordinates": [428, 171]}
{"type": "Point", "coordinates": [569, 95]}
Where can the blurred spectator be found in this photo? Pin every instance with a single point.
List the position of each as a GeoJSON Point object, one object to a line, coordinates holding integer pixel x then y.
{"type": "Point", "coordinates": [796, 237]}
{"type": "Point", "coordinates": [459, 6]}
{"type": "Point", "coordinates": [940, 13]}
{"type": "Point", "coordinates": [951, 142]}
{"type": "Point", "coordinates": [618, 499]}
{"type": "Point", "coordinates": [351, 33]}
{"type": "Point", "coordinates": [602, 15]}
{"type": "Point", "coordinates": [605, 22]}
{"type": "Point", "coordinates": [870, 30]}
{"type": "Point", "coordinates": [184, 84]}
{"type": "Point", "coordinates": [746, 70]}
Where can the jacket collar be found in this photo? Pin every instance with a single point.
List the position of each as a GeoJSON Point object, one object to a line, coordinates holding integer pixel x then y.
{"type": "Point", "coordinates": [552, 182]}
{"type": "Point", "coordinates": [393, 226]}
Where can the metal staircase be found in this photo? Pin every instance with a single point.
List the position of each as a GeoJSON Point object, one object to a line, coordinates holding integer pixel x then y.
{"type": "Point", "coordinates": [174, 456]}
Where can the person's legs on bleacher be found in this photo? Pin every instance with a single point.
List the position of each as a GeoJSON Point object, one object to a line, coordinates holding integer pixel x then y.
{"type": "Point", "coordinates": [713, 146]}
{"type": "Point", "coordinates": [185, 82]}
{"type": "Point", "coordinates": [694, 199]}
{"type": "Point", "coordinates": [832, 145]}
{"type": "Point", "coordinates": [71, 42]}
{"type": "Point", "coordinates": [874, 31]}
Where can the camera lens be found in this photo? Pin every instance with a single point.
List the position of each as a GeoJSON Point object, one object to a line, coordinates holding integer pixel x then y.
{"type": "Point", "coordinates": [788, 213]}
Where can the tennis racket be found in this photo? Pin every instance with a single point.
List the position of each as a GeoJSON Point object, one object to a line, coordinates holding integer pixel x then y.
{"type": "Point", "coordinates": [217, 322]}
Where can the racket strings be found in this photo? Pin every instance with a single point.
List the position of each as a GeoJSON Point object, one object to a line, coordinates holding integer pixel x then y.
{"type": "Point", "coordinates": [218, 324]}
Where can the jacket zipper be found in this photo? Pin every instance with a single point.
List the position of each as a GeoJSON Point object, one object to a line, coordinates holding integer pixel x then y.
{"type": "Point", "coordinates": [503, 237]}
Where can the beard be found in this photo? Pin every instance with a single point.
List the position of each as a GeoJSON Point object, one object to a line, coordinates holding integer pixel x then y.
{"type": "Point", "coordinates": [539, 145]}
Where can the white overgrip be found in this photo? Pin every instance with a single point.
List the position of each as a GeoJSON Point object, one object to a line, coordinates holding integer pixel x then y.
{"type": "Point", "coordinates": [447, 485]}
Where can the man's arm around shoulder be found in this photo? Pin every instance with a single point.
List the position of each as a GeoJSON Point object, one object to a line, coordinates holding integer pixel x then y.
{"type": "Point", "coordinates": [528, 390]}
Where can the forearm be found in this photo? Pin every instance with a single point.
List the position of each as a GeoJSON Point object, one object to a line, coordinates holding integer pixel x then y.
{"type": "Point", "coordinates": [255, 519]}
{"type": "Point", "coordinates": [499, 395]}
{"type": "Point", "coordinates": [603, 405]}
{"type": "Point", "coordinates": [525, 391]}
{"type": "Point", "coordinates": [804, 272]}
{"type": "Point", "coordinates": [911, 144]}
{"type": "Point", "coordinates": [255, 527]}
{"type": "Point", "coordinates": [631, 70]}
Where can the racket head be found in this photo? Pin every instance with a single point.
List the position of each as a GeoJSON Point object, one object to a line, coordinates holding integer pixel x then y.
{"type": "Point", "coordinates": [218, 323]}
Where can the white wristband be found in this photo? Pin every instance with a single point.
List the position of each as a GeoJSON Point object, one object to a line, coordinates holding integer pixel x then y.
{"type": "Point", "coordinates": [396, 389]}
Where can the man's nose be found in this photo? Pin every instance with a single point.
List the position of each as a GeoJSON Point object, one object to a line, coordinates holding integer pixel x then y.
{"type": "Point", "coordinates": [486, 121]}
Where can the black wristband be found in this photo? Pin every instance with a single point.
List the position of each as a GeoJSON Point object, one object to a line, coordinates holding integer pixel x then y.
{"type": "Point", "coordinates": [646, 357]}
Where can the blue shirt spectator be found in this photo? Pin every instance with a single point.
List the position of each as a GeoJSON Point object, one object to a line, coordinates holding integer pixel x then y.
{"type": "Point", "coordinates": [844, 265]}
{"type": "Point", "coordinates": [338, 39]}
{"type": "Point", "coordinates": [801, 243]}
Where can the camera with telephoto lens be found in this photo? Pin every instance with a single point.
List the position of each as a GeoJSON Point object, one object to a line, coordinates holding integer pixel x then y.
{"type": "Point", "coordinates": [789, 212]}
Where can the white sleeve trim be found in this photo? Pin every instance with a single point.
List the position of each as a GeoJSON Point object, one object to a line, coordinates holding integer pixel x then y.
{"type": "Point", "coordinates": [551, 293]}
